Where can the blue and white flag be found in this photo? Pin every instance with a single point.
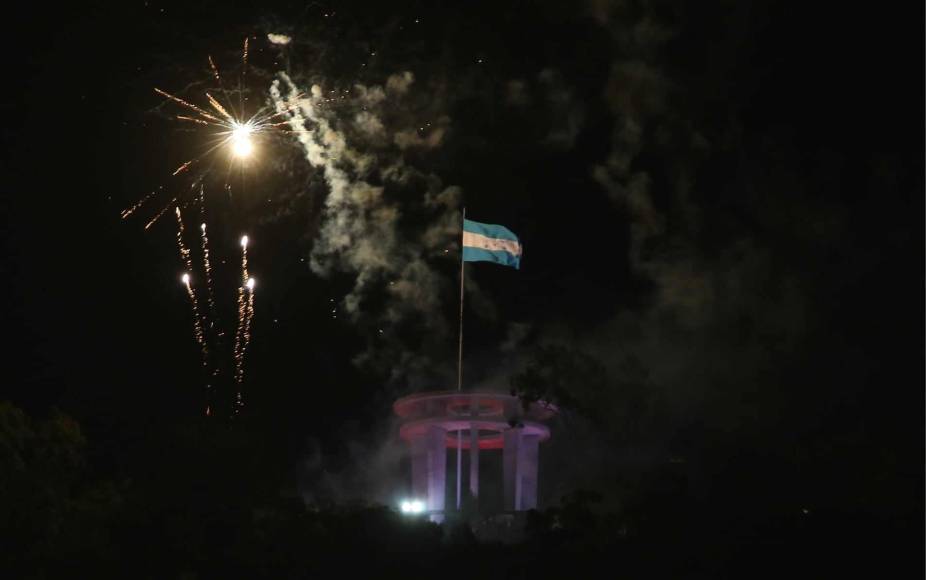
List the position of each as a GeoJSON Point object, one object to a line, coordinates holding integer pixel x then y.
{"type": "Point", "coordinates": [490, 243]}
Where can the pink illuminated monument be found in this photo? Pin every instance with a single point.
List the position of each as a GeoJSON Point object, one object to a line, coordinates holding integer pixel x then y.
{"type": "Point", "coordinates": [434, 422]}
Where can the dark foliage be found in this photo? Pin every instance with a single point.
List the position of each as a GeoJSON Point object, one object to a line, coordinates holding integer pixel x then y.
{"type": "Point", "coordinates": [194, 517]}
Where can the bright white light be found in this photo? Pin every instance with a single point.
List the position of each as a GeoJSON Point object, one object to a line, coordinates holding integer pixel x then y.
{"type": "Point", "coordinates": [186, 279]}
{"type": "Point", "coordinates": [202, 227]}
{"type": "Point", "coordinates": [250, 283]}
{"type": "Point", "coordinates": [242, 147]}
{"type": "Point", "coordinates": [412, 507]}
{"type": "Point", "coordinates": [280, 39]}
{"type": "Point", "coordinates": [241, 141]}
{"type": "Point", "coordinates": [244, 241]}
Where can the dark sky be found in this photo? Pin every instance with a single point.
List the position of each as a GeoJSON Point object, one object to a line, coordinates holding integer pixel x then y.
{"type": "Point", "coordinates": [729, 195]}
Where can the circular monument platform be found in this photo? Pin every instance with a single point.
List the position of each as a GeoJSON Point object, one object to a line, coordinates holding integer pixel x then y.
{"type": "Point", "coordinates": [433, 422]}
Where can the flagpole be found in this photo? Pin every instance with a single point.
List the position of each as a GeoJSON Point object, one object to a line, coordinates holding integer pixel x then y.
{"type": "Point", "coordinates": [460, 364]}
{"type": "Point", "coordinates": [462, 275]}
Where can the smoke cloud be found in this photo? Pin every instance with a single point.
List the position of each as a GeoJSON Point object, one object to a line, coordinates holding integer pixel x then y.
{"type": "Point", "coordinates": [372, 196]}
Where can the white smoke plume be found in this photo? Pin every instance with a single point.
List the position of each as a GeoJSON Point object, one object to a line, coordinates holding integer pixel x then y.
{"type": "Point", "coordinates": [360, 234]}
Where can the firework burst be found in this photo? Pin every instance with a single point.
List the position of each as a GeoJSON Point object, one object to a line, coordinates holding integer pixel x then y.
{"type": "Point", "coordinates": [228, 133]}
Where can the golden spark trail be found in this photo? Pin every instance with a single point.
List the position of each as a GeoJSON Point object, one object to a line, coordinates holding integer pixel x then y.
{"type": "Point", "coordinates": [246, 333]}
{"type": "Point", "coordinates": [215, 69]}
{"type": "Point", "coordinates": [245, 341]}
{"type": "Point", "coordinates": [127, 212]}
{"type": "Point", "coordinates": [205, 244]}
{"type": "Point", "coordinates": [244, 259]}
{"type": "Point", "coordinates": [206, 266]}
{"type": "Point", "coordinates": [218, 78]}
{"type": "Point", "coordinates": [183, 167]}
{"type": "Point", "coordinates": [242, 313]}
{"type": "Point", "coordinates": [288, 109]}
{"type": "Point", "coordinates": [249, 315]}
{"type": "Point", "coordinates": [160, 213]}
{"type": "Point", "coordinates": [244, 74]}
{"type": "Point", "coordinates": [218, 107]}
{"type": "Point", "coordinates": [184, 251]}
{"type": "Point", "coordinates": [236, 353]}
{"type": "Point", "coordinates": [208, 269]}
{"type": "Point", "coordinates": [197, 323]}
{"type": "Point", "coordinates": [199, 320]}
{"type": "Point", "coordinates": [189, 105]}
{"type": "Point", "coordinates": [185, 118]}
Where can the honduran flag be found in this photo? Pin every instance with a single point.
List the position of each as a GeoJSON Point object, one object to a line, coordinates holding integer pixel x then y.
{"type": "Point", "coordinates": [490, 243]}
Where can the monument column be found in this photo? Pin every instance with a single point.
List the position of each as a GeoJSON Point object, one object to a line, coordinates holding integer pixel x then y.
{"type": "Point", "coordinates": [474, 454]}
{"type": "Point", "coordinates": [519, 465]}
{"type": "Point", "coordinates": [528, 452]}
{"type": "Point", "coordinates": [510, 476]}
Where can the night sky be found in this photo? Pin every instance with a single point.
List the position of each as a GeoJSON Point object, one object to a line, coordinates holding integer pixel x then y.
{"type": "Point", "coordinates": [720, 205]}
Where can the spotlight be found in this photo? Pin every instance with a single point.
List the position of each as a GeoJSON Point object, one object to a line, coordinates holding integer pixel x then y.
{"type": "Point", "coordinates": [412, 507]}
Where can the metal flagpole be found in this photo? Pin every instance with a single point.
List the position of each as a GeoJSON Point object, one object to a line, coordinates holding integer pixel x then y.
{"type": "Point", "coordinates": [460, 366]}
{"type": "Point", "coordinates": [462, 274]}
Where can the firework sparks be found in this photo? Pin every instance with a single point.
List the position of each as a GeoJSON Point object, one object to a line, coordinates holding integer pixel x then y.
{"type": "Point", "coordinates": [244, 259]}
{"type": "Point", "coordinates": [191, 119]}
{"type": "Point", "coordinates": [158, 215]}
{"type": "Point", "coordinates": [215, 69]}
{"type": "Point", "coordinates": [206, 266]}
{"type": "Point", "coordinates": [218, 107]}
{"type": "Point", "coordinates": [198, 319]}
{"type": "Point", "coordinates": [236, 352]}
{"type": "Point", "coordinates": [183, 167]}
{"type": "Point", "coordinates": [245, 314]}
{"type": "Point", "coordinates": [129, 211]}
{"type": "Point", "coordinates": [190, 106]}
{"type": "Point", "coordinates": [237, 135]}
{"type": "Point", "coordinates": [247, 309]}
{"type": "Point", "coordinates": [184, 251]}
{"type": "Point", "coordinates": [197, 322]}
{"type": "Point", "coordinates": [224, 126]}
{"type": "Point", "coordinates": [242, 305]}
{"type": "Point", "coordinates": [248, 316]}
